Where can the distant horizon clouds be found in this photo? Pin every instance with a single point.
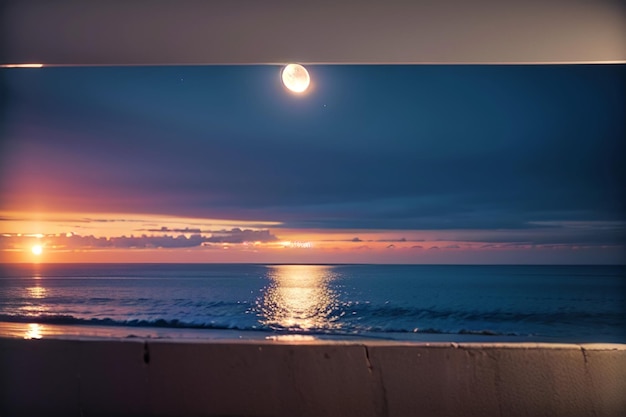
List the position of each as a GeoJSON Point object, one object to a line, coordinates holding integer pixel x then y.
{"type": "Point", "coordinates": [492, 154]}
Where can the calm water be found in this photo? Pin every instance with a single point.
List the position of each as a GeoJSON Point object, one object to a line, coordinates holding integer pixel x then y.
{"type": "Point", "coordinates": [554, 303]}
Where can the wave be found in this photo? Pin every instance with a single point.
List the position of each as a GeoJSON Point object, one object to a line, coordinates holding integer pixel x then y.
{"type": "Point", "coordinates": [493, 316]}
{"type": "Point", "coordinates": [71, 320]}
{"type": "Point", "coordinates": [178, 324]}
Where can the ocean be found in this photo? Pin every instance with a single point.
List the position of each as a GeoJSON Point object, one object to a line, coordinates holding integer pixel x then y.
{"type": "Point", "coordinates": [452, 303]}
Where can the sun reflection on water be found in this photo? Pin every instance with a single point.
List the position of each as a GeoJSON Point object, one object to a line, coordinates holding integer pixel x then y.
{"type": "Point", "coordinates": [34, 331]}
{"type": "Point", "coordinates": [36, 292]}
{"type": "Point", "coordinates": [35, 296]}
{"type": "Point", "coordinates": [299, 298]}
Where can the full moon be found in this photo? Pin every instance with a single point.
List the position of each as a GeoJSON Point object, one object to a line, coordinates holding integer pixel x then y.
{"type": "Point", "coordinates": [296, 78]}
{"type": "Point", "coordinates": [37, 249]}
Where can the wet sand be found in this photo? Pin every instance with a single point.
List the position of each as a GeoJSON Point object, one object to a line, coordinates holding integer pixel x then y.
{"type": "Point", "coordinates": [64, 331]}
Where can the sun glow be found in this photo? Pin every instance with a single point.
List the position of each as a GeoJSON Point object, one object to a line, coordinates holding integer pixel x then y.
{"type": "Point", "coordinates": [34, 331]}
{"type": "Point", "coordinates": [300, 298]}
{"type": "Point", "coordinates": [37, 250]}
{"type": "Point", "coordinates": [21, 66]}
{"type": "Point", "coordinates": [296, 244]}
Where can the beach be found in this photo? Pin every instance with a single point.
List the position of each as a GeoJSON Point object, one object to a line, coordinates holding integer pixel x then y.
{"type": "Point", "coordinates": [302, 376]}
{"type": "Point", "coordinates": [313, 340]}
{"type": "Point", "coordinates": [320, 209]}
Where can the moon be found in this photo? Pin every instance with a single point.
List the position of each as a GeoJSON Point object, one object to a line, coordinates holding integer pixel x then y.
{"type": "Point", "coordinates": [296, 78]}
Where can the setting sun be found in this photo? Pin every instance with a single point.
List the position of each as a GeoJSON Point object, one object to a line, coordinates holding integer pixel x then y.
{"type": "Point", "coordinates": [37, 249]}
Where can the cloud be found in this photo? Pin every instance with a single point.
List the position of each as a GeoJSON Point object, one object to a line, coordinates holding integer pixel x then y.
{"type": "Point", "coordinates": [126, 242]}
{"type": "Point", "coordinates": [75, 241]}
{"type": "Point", "coordinates": [581, 225]}
{"type": "Point", "coordinates": [53, 218]}
{"type": "Point", "coordinates": [180, 241]}
{"type": "Point", "coordinates": [237, 235]}
{"type": "Point", "coordinates": [165, 229]}
{"type": "Point", "coordinates": [474, 167]}
{"type": "Point", "coordinates": [358, 239]}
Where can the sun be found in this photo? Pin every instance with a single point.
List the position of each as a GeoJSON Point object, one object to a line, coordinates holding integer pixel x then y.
{"type": "Point", "coordinates": [37, 250]}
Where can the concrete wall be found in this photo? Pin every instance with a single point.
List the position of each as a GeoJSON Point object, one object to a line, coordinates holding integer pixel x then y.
{"type": "Point", "coordinates": [259, 378]}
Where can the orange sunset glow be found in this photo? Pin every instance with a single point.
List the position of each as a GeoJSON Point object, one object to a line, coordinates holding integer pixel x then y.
{"type": "Point", "coordinates": [287, 208]}
{"type": "Point", "coordinates": [145, 165]}
{"type": "Point", "coordinates": [37, 250]}
{"type": "Point", "coordinates": [71, 237]}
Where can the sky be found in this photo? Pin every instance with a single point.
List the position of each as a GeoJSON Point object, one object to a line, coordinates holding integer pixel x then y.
{"type": "Point", "coordinates": [372, 164]}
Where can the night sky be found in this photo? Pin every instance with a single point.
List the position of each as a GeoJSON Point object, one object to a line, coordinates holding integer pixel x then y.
{"type": "Point", "coordinates": [501, 163]}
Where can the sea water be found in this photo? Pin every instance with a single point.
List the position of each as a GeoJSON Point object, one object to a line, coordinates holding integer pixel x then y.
{"type": "Point", "coordinates": [399, 302]}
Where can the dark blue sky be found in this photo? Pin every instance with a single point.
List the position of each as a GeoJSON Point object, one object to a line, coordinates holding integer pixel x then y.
{"type": "Point", "coordinates": [368, 147]}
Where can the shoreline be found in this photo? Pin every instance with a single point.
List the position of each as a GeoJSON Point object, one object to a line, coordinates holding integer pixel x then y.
{"type": "Point", "coordinates": [169, 377]}
{"type": "Point", "coordinates": [37, 330]}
